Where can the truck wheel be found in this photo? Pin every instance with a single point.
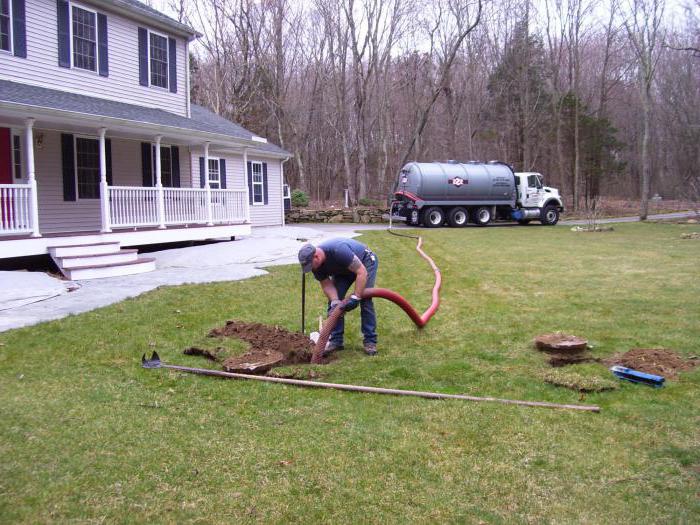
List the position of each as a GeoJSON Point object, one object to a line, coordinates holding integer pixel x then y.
{"type": "Point", "coordinates": [457, 217]}
{"type": "Point", "coordinates": [550, 215]}
{"type": "Point", "coordinates": [433, 217]}
{"type": "Point", "coordinates": [482, 216]}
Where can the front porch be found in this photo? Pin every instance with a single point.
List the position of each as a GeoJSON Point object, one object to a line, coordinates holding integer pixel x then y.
{"type": "Point", "coordinates": [85, 195]}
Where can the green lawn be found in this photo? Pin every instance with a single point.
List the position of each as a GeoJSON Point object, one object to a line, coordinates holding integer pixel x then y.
{"type": "Point", "coordinates": [88, 436]}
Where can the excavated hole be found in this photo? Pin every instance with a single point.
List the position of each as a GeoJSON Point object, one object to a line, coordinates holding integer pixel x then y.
{"type": "Point", "coordinates": [270, 347]}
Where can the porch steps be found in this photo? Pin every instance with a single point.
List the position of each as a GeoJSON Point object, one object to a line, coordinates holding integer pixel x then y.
{"type": "Point", "coordinates": [98, 260]}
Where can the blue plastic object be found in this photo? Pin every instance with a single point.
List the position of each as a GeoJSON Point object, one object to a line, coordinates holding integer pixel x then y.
{"type": "Point", "coordinates": [517, 214]}
{"type": "Point", "coordinates": [629, 374]}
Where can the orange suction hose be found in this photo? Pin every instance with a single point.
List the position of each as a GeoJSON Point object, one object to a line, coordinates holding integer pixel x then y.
{"type": "Point", "coordinates": [384, 293]}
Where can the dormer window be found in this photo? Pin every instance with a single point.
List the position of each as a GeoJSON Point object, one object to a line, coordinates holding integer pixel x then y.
{"type": "Point", "coordinates": [5, 18]}
{"type": "Point", "coordinates": [158, 60]}
{"type": "Point", "coordinates": [84, 27]}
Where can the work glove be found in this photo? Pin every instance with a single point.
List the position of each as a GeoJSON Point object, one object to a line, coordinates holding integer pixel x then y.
{"type": "Point", "coordinates": [352, 303]}
{"type": "Point", "coordinates": [334, 303]}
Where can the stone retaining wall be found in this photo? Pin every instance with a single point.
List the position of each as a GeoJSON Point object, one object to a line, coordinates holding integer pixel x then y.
{"type": "Point", "coordinates": [359, 215]}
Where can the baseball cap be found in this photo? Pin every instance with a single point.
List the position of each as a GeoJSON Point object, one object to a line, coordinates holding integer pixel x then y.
{"type": "Point", "coordinates": [306, 257]}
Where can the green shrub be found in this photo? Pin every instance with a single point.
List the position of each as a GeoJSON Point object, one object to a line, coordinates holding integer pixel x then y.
{"type": "Point", "coordinates": [368, 202]}
{"type": "Point", "coordinates": [299, 199]}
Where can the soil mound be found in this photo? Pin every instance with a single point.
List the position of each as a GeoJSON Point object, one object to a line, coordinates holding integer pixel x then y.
{"type": "Point", "coordinates": [658, 361]}
{"type": "Point", "coordinates": [270, 346]}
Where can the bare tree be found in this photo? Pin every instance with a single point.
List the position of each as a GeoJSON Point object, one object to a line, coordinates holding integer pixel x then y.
{"type": "Point", "coordinates": [459, 11]}
{"type": "Point", "coordinates": [646, 35]}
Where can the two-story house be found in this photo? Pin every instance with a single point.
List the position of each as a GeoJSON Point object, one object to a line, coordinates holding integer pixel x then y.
{"type": "Point", "coordinates": [100, 145]}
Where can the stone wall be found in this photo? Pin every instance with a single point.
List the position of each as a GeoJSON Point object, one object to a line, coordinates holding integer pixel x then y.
{"type": "Point", "coordinates": [358, 215]}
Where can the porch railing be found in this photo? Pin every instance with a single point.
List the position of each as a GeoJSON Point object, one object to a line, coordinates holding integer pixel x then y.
{"type": "Point", "coordinates": [137, 206]}
{"type": "Point", "coordinates": [15, 208]}
{"type": "Point", "coordinates": [133, 206]}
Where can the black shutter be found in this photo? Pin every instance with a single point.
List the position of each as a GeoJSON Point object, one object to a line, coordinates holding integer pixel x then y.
{"type": "Point", "coordinates": [108, 160]}
{"type": "Point", "coordinates": [19, 29]}
{"type": "Point", "coordinates": [143, 56]}
{"type": "Point", "coordinates": [68, 161]}
{"type": "Point", "coordinates": [265, 181]}
{"type": "Point", "coordinates": [172, 65]}
{"type": "Point", "coordinates": [202, 180]}
{"type": "Point", "coordinates": [249, 170]}
{"type": "Point", "coordinates": [102, 57]}
{"type": "Point", "coordinates": [146, 166]}
{"type": "Point", "coordinates": [175, 165]}
{"type": "Point", "coordinates": [63, 33]}
{"type": "Point", "coordinates": [222, 173]}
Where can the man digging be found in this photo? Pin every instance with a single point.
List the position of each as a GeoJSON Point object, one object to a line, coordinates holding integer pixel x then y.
{"type": "Point", "coordinates": [336, 264]}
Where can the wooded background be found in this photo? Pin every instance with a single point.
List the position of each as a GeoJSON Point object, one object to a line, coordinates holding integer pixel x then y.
{"type": "Point", "coordinates": [602, 97]}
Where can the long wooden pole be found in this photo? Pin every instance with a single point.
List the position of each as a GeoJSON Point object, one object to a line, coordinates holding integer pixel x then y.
{"type": "Point", "coordinates": [375, 390]}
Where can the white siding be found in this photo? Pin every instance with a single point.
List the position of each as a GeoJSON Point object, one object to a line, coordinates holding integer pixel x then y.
{"type": "Point", "coordinates": [260, 215]}
{"type": "Point", "coordinates": [41, 65]}
{"type": "Point", "coordinates": [57, 215]}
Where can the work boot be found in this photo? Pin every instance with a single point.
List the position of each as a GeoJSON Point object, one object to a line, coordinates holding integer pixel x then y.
{"type": "Point", "coordinates": [331, 347]}
{"type": "Point", "coordinates": [370, 349]}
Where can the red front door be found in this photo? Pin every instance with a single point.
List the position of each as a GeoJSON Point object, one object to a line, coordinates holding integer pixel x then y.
{"type": "Point", "coordinates": [6, 204]}
{"type": "Point", "coordinates": [5, 156]}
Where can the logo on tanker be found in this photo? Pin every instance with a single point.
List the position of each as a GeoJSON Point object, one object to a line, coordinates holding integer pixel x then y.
{"type": "Point", "coordinates": [457, 181]}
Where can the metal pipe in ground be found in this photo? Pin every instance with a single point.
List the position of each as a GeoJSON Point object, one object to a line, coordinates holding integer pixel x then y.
{"type": "Point", "coordinates": [376, 390]}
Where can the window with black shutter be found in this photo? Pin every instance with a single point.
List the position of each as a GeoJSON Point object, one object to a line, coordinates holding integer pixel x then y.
{"type": "Point", "coordinates": [157, 60]}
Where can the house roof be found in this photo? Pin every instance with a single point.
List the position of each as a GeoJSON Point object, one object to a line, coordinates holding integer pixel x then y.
{"type": "Point", "coordinates": [141, 10]}
{"type": "Point", "coordinates": [202, 119]}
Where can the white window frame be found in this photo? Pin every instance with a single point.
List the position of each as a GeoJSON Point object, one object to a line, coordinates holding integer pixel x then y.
{"type": "Point", "coordinates": [97, 38]}
{"type": "Point", "coordinates": [9, 30]}
{"type": "Point", "coordinates": [217, 181]}
{"type": "Point", "coordinates": [75, 168]}
{"type": "Point", "coordinates": [167, 54]}
{"type": "Point", "coordinates": [261, 183]}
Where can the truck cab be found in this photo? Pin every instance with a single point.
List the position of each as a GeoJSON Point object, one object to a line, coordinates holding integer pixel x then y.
{"type": "Point", "coordinates": [535, 200]}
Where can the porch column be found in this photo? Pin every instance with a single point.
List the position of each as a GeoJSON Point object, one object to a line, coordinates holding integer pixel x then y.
{"type": "Point", "coordinates": [159, 186]}
{"type": "Point", "coordinates": [207, 187]}
{"type": "Point", "coordinates": [247, 190]}
{"type": "Point", "coordinates": [104, 187]}
{"type": "Point", "coordinates": [31, 177]}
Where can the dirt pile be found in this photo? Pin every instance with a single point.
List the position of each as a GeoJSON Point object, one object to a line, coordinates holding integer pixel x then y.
{"type": "Point", "coordinates": [658, 361]}
{"type": "Point", "coordinates": [270, 346]}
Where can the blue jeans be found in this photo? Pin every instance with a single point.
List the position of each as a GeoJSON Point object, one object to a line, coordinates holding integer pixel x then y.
{"type": "Point", "coordinates": [368, 317]}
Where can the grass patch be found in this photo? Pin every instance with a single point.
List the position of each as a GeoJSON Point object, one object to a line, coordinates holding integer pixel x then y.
{"type": "Point", "coordinates": [87, 435]}
{"type": "Point", "coordinates": [581, 378]}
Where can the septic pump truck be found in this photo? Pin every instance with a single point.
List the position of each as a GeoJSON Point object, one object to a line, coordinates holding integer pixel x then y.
{"type": "Point", "coordinates": [454, 193]}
